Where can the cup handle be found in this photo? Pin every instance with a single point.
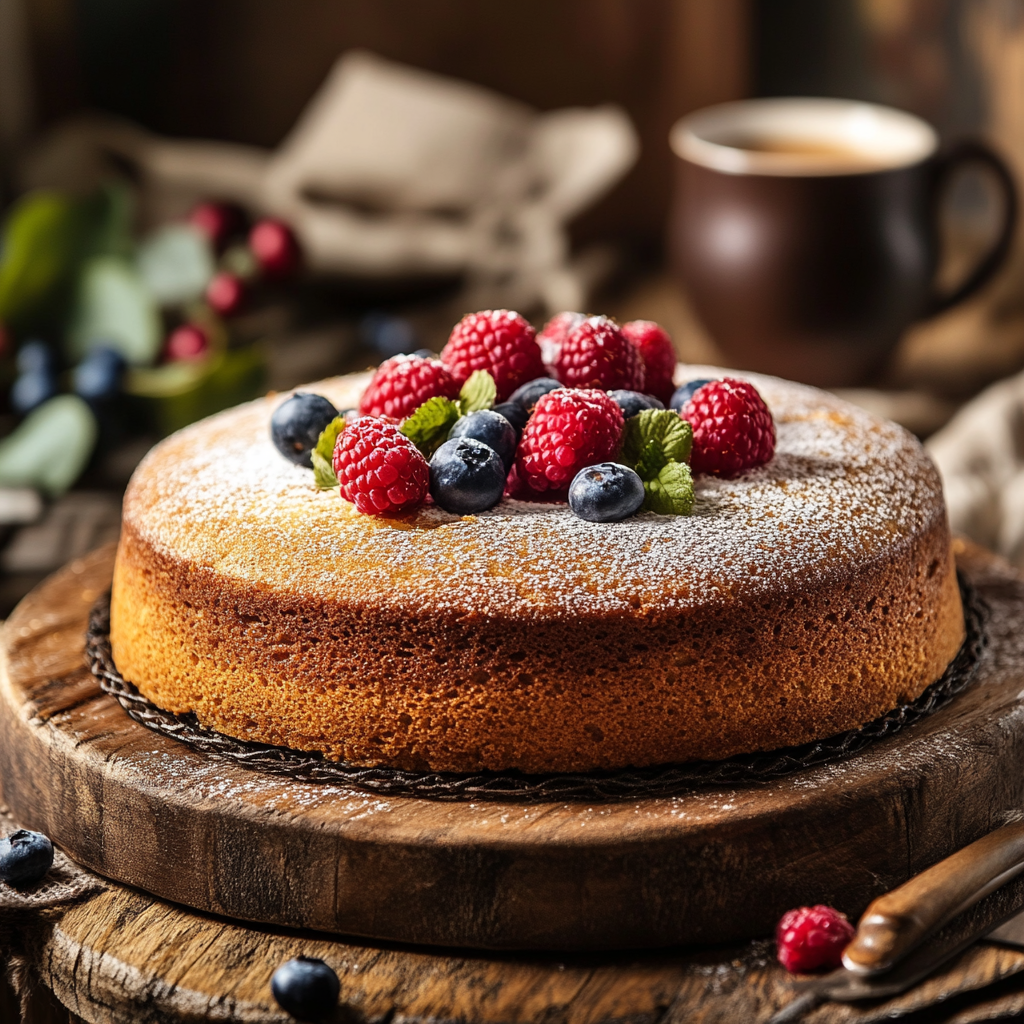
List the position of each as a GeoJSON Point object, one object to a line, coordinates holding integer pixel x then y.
{"type": "Point", "coordinates": [970, 152]}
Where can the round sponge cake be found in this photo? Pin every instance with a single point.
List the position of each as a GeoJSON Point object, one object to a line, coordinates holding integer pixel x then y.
{"type": "Point", "coordinates": [805, 598]}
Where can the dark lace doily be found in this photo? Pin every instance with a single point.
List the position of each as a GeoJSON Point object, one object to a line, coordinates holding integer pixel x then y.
{"type": "Point", "coordinates": [624, 784]}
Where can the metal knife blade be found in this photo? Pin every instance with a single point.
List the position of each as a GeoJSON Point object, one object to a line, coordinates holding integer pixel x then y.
{"type": "Point", "coordinates": [1002, 906]}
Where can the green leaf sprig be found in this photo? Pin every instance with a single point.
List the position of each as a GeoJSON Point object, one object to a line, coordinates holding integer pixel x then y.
{"type": "Point", "coordinates": [428, 427]}
{"type": "Point", "coordinates": [323, 455]}
{"type": "Point", "coordinates": [657, 443]}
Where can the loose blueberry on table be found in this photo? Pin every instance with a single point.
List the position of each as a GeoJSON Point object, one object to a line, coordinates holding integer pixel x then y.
{"type": "Point", "coordinates": [306, 988]}
{"type": "Point", "coordinates": [297, 424]}
{"type": "Point", "coordinates": [466, 476]}
{"type": "Point", "coordinates": [493, 430]}
{"type": "Point", "coordinates": [25, 857]}
{"type": "Point", "coordinates": [606, 493]}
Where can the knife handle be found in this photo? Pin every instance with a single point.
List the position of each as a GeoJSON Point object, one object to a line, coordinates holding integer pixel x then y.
{"type": "Point", "coordinates": [897, 922]}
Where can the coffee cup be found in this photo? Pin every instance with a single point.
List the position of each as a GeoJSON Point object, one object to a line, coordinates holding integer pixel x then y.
{"type": "Point", "coordinates": [805, 232]}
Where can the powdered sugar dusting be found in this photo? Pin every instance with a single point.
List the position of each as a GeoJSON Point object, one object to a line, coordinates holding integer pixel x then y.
{"type": "Point", "coordinates": [844, 487]}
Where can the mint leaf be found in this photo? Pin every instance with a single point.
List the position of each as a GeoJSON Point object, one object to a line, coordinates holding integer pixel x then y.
{"type": "Point", "coordinates": [653, 439]}
{"type": "Point", "coordinates": [670, 493]}
{"type": "Point", "coordinates": [323, 473]}
{"type": "Point", "coordinates": [428, 426]}
{"type": "Point", "coordinates": [329, 438]}
{"type": "Point", "coordinates": [323, 455]}
{"type": "Point", "coordinates": [479, 392]}
{"type": "Point", "coordinates": [651, 460]}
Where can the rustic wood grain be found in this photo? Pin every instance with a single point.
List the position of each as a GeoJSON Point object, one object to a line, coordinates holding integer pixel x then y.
{"type": "Point", "coordinates": [715, 865]}
{"type": "Point", "coordinates": [126, 958]}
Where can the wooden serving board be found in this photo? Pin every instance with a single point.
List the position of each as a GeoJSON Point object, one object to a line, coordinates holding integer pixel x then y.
{"type": "Point", "coordinates": [715, 865]}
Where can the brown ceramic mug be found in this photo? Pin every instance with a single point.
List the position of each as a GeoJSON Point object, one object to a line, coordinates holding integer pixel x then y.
{"type": "Point", "coordinates": [805, 231]}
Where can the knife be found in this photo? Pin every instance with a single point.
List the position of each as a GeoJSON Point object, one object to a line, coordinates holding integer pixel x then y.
{"type": "Point", "coordinates": [906, 934]}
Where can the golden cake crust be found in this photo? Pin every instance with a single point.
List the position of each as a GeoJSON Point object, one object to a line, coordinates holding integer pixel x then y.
{"type": "Point", "coordinates": [806, 598]}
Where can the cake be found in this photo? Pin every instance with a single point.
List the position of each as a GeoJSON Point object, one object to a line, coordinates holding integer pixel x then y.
{"type": "Point", "coordinates": [806, 597]}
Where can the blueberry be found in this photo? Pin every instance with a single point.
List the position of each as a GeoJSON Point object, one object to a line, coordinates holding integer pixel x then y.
{"type": "Point", "coordinates": [32, 389]}
{"type": "Point", "coordinates": [297, 424]}
{"type": "Point", "coordinates": [466, 476]}
{"type": "Point", "coordinates": [34, 357]}
{"type": "Point", "coordinates": [632, 402]}
{"type": "Point", "coordinates": [514, 413]}
{"type": "Point", "coordinates": [425, 353]}
{"type": "Point", "coordinates": [493, 429]}
{"type": "Point", "coordinates": [606, 492]}
{"type": "Point", "coordinates": [306, 988]}
{"type": "Point", "coordinates": [99, 374]}
{"type": "Point", "coordinates": [684, 392]}
{"type": "Point", "coordinates": [528, 395]}
{"type": "Point", "coordinates": [25, 857]}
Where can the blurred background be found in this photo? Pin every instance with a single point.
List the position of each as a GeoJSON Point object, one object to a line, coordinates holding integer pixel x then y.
{"type": "Point", "coordinates": [204, 201]}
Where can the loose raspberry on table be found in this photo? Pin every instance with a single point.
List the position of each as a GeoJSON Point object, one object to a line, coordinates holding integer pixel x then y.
{"type": "Point", "coordinates": [498, 341]}
{"type": "Point", "coordinates": [810, 938]}
{"type": "Point", "coordinates": [596, 354]}
{"type": "Point", "coordinates": [554, 332]}
{"type": "Point", "coordinates": [733, 430]}
{"type": "Point", "coordinates": [379, 468]}
{"type": "Point", "coordinates": [569, 429]}
{"type": "Point", "coordinates": [655, 347]}
{"type": "Point", "coordinates": [403, 383]}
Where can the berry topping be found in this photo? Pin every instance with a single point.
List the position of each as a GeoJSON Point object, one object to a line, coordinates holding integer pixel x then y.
{"type": "Point", "coordinates": [403, 383]}
{"type": "Point", "coordinates": [528, 394]}
{"type": "Point", "coordinates": [378, 468]}
{"type": "Point", "coordinates": [25, 857]}
{"type": "Point", "coordinates": [187, 342]}
{"type": "Point", "coordinates": [733, 430]}
{"type": "Point", "coordinates": [555, 331]}
{"type": "Point", "coordinates": [306, 988]}
{"type": "Point", "coordinates": [466, 476]}
{"type": "Point", "coordinates": [655, 347]}
{"type": "Point", "coordinates": [514, 413]}
{"type": "Point", "coordinates": [569, 429]}
{"type": "Point", "coordinates": [596, 354]}
{"type": "Point", "coordinates": [225, 293]}
{"type": "Point", "coordinates": [496, 340]}
{"type": "Point", "coordinates": [632, 402]}
{"type": "Point", "coordinates": [606, 493]}
{"type": "Point", "coordinates": [297, 424]}
{"type": "Point", "coordinates": [275, 248]}
{"type": "Point", "coordinates": [685, 392]}
{"type": "Point", "coordinates": [810, 938]}
{"type": "Point", "coordinates": [493, 430]}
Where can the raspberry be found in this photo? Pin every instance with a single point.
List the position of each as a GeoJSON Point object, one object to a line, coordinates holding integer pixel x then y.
{"type": "Point", "coordinates": [733, 431]}
{"type": "Point", "coordinates": [812, 937]}
{"type": "Point", "coordinates": [596, 354]}
{"type": "Point", "coordinates": [403, 383]}
{"type": "Point", "coordinates": [379, 468]}
{"type": "Point", "coordinates": [554, 332]}
{"type": "Point", "coordinates": [569, 429]}
{"type": "Point", "coordinates": [651, 340]}
{"type": "Point", "coordinates": [496, 340]}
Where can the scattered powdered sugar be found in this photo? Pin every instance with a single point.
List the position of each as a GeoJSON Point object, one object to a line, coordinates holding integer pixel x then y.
{"type": "Point", "coordinates": [843, 486]}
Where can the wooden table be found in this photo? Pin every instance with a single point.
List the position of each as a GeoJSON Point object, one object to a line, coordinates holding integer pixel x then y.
{"type": "Point", "coordinates": [122, 955]}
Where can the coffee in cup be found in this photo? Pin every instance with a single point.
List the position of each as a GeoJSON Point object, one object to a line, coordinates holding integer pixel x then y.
{"type": "Point", "coordinates": [805, 231]}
